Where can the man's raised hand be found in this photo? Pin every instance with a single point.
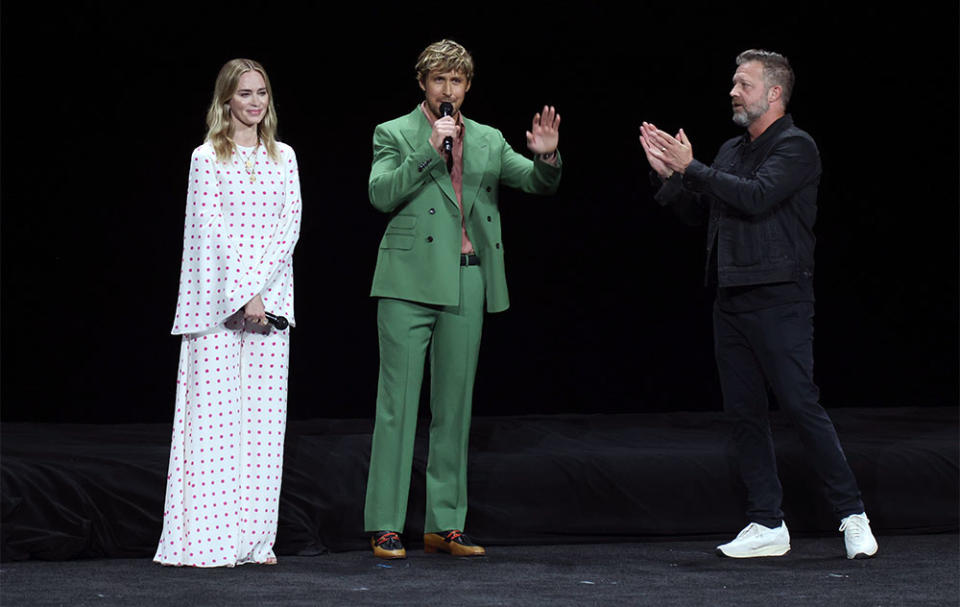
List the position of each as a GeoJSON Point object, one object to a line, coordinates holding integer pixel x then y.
{"type": "Point", "coordinates": [544, 135]}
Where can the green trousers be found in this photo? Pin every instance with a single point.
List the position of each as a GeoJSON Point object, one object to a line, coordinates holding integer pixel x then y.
{"type": "Point", "coordinates": [452, 334]}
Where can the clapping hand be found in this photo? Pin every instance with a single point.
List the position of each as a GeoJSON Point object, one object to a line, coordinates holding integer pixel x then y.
{"type": "Point", "coordinates": [665, 154]}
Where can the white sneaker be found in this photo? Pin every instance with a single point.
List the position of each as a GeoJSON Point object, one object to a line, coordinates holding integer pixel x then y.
{"type": "Point", "coordinates": [857, 536]}
{"type": "Point", "coordinates": [757, 540]}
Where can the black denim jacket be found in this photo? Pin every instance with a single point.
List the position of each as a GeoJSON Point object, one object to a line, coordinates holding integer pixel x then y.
{"type": "Point", "coordinates": [761, 200]}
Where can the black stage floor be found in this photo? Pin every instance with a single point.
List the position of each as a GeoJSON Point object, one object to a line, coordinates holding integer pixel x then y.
{"type": "Point", "coordinates": [909, 570]}
{"type": "Point", "coordinates": [94, 491]}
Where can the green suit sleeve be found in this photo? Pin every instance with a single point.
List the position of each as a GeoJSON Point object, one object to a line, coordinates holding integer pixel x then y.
{"type": "Point", "coordinates": [532, 176]}
{"type": "Point", "coordinates": [394, 178]}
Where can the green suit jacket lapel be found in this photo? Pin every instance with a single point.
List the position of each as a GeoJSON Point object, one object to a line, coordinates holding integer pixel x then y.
{"type": "Point", "coordinates": [417, 134]}
{"type": "Point", "coordinates": [476, 149]}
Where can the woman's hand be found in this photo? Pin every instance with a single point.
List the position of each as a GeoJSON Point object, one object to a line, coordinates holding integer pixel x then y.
{"type": "Point", "coordinates": [254, 311]}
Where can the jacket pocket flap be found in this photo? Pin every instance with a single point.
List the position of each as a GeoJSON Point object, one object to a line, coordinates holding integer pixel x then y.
{"type": "Point", "coordinates": [396, 241]}
{"type": "Point", "coordinates": [402, 222]}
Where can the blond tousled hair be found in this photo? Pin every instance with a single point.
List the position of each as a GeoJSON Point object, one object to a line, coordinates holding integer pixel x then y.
{"type": "Point", "coordinates": [444, 56]}
{"type": "Point", "coordinates": [219, 125]}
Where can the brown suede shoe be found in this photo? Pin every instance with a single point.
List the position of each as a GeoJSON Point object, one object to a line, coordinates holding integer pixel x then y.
{"type": "Point", "coordinates": [387, 545]}
{"type": "Point", "coordinates": [453, 542]}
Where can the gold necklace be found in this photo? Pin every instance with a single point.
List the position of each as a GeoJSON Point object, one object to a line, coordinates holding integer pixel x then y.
{"type": "Point", "coordinates": [250, 161]}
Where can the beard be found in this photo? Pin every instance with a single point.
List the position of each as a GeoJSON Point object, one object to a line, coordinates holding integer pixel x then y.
{"type": "Point", "coordinates": [745, 115]}
{"type": "Point", "coordinates": [435, 110]}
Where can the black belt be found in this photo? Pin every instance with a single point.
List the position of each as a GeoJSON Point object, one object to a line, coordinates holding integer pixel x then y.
{"type": "Point", "coordinates": [469, 260]}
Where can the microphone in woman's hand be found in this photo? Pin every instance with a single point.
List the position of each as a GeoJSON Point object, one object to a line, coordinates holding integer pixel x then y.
{"type": "Point", "coordinates": [277, 321]}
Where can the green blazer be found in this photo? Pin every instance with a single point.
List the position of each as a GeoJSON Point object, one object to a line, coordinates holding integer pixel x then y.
{"type": "Point", "coordinates": [419, 258]}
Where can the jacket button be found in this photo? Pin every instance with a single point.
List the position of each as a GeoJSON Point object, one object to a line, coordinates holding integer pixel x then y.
{"type": "Point", "coordinates": [432, 211]}
{"type": "Point", "coordinates": [498, 245]}
{"type": "Point", "coordinates": [488, 188]}
{"type": "Point", "coordinates": [488, 218]}
{"type": "Point", "coordinates": [429, 238]}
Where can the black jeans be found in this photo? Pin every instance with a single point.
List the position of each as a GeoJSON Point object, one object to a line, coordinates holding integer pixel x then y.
{"type": "Point", "coordinates": [774, 347]}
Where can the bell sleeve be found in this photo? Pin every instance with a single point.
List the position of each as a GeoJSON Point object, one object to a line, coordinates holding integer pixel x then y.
{"type": "Point", "coordinates": [277, 259]}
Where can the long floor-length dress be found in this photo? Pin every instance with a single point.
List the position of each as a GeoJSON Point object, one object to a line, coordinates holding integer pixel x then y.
{"type": "Point", "coordinates": [226, 455]}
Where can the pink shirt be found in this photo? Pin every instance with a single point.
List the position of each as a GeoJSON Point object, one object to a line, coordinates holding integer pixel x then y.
{"type": "Point", "coordinates": [456, 172]}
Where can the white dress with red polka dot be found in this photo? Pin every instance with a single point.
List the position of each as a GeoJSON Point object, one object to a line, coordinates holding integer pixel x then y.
{"type": "Point", "coordinates": [226, 458]}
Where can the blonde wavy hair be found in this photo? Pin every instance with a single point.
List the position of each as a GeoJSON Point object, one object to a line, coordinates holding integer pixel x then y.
{"type": "Point", "coordinates": [219, 125]}
{"type": "Point", "coordinates": [444, 56]}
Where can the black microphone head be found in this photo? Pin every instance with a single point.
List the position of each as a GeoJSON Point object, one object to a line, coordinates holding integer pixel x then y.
{"type": "Point", "coordinates": [279, 322]}
{"type": "Point", "coordinates": [446, 109]}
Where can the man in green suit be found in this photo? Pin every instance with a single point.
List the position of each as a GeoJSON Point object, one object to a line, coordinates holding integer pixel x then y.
{"type": "Point", "coordinates": [437, 174]}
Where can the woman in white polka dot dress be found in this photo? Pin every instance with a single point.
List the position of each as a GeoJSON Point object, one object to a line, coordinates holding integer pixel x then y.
{"type": "Point", "coordinates": [242, 222]}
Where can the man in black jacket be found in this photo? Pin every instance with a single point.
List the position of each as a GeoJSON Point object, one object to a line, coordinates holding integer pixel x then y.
{"type": "Point", "coordinates": [760, 199]}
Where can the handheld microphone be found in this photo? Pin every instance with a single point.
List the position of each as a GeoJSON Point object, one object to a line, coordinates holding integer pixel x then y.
{"type": "Point", "coordinates": [446, 109]}
{"type": "Point", "coordinates": [279, 322]}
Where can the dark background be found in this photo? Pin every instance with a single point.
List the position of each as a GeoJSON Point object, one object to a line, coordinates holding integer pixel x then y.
{"type": "Point", "coordinates": [102, 104]}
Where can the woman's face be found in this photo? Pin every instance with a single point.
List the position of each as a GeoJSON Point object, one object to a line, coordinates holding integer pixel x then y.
{"type": "Point", "coordinates": [249, 103]}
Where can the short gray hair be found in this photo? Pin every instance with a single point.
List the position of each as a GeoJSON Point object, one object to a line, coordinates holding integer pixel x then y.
{"type": "Point", "coordinates": [776, 70]}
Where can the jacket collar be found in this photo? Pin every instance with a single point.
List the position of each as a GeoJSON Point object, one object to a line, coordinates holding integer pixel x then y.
{"type": "Point", "coordinates": [780, 125]}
